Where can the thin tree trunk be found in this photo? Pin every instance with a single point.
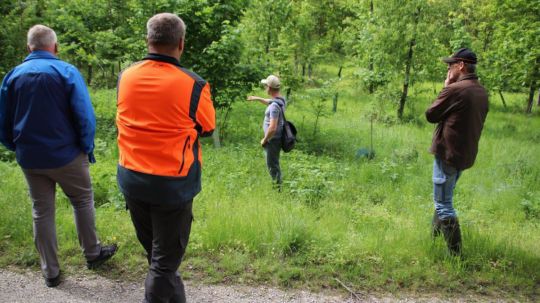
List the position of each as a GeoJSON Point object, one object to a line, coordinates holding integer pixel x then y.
{"type": "Point", "coordinates": [336, 96]}
{"type": "Point", "coordinates": [310, 71]}
{"type": "Point", "coordinates": [334, 107]}
{"type": "Point", "coordinates": [502, 98]}
{"type": "Point", "coordinates": [535, 74]}
{"type": "Point", "coordinates": [215, 137]}
{"type": "Point", "coordinates": [223, 126]}
{"type": "Point", "coordinates": [111, 82]}
{"type": "Point", "coordinates": [288, 95]}
{"type": "Point", "coordinates": [408, 64]}
{"type": "Point", "coordinates": [295, 62]}
{"type": "Point", "coordinates": [268, 41]}
{"type": "Point", "coordinates": [89, 74]}
{"type": "Point", "coordinates": [371, 84]}
{"type": "Point", "coordinates": [532, 89]}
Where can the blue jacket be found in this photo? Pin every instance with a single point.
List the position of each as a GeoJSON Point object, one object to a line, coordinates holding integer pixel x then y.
{"type": "Point", "coordinates": [46, 115]}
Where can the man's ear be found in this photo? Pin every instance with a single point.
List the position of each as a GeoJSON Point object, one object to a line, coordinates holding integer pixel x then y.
{"type": "Point", "coordinates": [28, 48]}
{"type": "Point", "coordinates": [56, 49]}
{"type": "Point", "coordinates": [461, 66]}
{"type": "Point", "coordinates": [181, 46]}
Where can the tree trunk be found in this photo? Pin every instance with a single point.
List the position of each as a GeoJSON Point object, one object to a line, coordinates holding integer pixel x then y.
{"type": "Point", "coordinates": [535, 74]}
{"type": "Point", "coordinates": [371, 85]}
{"type": "Point", "coordinates": [215, 138]}
{"type": "Point", "coordinates": [295, 62]}
{"type": "Point", "coordinates": [334, 107]}
{"type": "Point", "coordinates": [310, 71]}
{"type": "Point", "coordinates": [111, 82]}
{"type": "Point", "coordinates": [89, 74]}
{"type": "Point", "coordinates": [408, 64]}
{"type": "Point", "coordinates": [336, 96]}
{"type": "Point", "coordinates": [502, 98]}
{"type": "Point", "coordinates": [268, 41]}
{"type": "Point", "coordinates": [288, 95]}
{"type": "Point", "coordinates": [532, 89]}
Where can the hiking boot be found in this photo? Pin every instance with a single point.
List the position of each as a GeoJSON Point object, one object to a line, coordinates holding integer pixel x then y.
{"type": "Point", "coordinates": [105, 254]}
{"type": "Point", "coordinates": [452, 235]}
{"type": "Point", "coordinates": [435, 225]}
{"type": "Point", "coordinates": [53, 282]}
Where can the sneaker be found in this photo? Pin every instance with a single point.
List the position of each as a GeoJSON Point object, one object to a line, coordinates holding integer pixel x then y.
{"type": "Point", "coordinates": [106, 253]}
{"type": "Point", "coordinates": [53, 282]}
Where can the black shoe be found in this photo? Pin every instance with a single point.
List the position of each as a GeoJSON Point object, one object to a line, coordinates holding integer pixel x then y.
{"type": "Point", "coordinates": [452, 235]}
{"type": "Point", "coordinates": [106, 253]}
{"type": "Point", "coordinates": [53, 282]}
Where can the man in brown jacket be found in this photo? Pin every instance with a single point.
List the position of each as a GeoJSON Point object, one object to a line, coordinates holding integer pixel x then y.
{"type": "Point", "coordinates": [459, 111]}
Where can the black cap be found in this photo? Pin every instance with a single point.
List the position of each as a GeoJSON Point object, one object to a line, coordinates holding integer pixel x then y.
{"type": "Point", "coordinates": [463, 54]}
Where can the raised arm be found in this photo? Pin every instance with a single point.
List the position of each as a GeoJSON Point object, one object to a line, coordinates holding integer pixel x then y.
{"type": "Point", "coordinates": [261, 100]}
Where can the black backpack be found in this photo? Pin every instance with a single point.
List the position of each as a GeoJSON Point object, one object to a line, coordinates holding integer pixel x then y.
{"type": "Point", "coordinates": [288, 134]}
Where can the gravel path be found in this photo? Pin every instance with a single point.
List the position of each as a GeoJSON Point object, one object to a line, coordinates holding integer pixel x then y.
{"type": "Point", "coordinates": [28, 287]}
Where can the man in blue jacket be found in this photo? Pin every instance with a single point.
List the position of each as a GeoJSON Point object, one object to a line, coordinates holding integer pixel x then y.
{"type": "Point", "coordinates": [47, 119]}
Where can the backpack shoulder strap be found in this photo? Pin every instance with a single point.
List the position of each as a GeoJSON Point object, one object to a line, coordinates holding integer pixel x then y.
{"type": "Point", "coordinates": [280, 107]}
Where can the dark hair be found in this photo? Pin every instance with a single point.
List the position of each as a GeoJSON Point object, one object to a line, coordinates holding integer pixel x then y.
{"type": "Point", "coordinates": [470, 68]}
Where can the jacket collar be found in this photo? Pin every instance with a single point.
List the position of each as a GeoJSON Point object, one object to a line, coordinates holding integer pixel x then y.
{"type": "Point", "coordinates": [162, 58]}
{"type": "Point", "coordinates": [40, 54]}
{"type": "Point", "coordinates": [467, 77]}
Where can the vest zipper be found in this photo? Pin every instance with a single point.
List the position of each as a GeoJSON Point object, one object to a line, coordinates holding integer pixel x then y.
{"type": "Point", "coordinates": [184, 154]}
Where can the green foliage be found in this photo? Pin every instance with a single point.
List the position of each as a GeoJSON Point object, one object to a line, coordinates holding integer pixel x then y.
{"type": "Point", "coordinates": [366, 222]}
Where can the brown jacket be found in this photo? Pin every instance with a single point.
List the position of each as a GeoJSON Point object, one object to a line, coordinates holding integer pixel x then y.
{"type": "Point", "coordinates": [460, 111]}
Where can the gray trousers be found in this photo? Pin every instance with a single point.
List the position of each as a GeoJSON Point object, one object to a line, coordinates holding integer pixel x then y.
{"type": "Point", "coordinates": [74, 179]}
{"type": "Point", "coordinates": [272, 150]}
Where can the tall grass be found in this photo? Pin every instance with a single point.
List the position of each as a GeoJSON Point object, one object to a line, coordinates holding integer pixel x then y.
{"type": "Point", "coordinates": [363, 221]}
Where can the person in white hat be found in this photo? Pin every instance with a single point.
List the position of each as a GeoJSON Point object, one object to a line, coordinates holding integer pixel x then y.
{"type": "Point", "coordinates": [272, 125]}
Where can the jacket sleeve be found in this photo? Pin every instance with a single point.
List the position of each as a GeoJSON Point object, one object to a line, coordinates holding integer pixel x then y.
{"type": "Point", "coordinates": [441, 107]}
{"type": "Point", "coordinates": [83, 112]}
{"type": "Point", "coordinates": [6, 115]}
{"type": "Point", "coordinates": [206, 115]}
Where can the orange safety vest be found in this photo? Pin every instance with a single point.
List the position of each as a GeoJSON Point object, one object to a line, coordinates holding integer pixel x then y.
{"type": "Point", "coordinates": [162, 110]}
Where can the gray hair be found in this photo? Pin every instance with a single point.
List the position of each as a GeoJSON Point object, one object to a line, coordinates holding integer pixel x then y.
{"type": "Point", "coordinates": [165, 29]}
{"type": "Point", "coordinates": [40, 37]}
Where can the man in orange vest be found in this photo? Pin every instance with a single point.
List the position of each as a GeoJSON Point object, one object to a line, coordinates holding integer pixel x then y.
{"type": "Point", "coordinates": [163, 109]}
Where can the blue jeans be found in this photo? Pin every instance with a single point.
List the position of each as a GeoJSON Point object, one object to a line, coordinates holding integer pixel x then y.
{"type": "Point", "coordinates": [444, 181]}
{"type": "Point", "coordinates": [272, 150]}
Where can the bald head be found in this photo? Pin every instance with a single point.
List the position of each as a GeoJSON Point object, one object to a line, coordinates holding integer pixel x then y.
{"type": "Point", "coordinates": [41, 37]}
{"type": "Point", "coordinates": [165, 31]}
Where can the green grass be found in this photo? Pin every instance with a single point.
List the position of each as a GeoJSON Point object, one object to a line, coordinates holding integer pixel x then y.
{"type": "Point", "coordinates": [364, 222]}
